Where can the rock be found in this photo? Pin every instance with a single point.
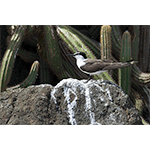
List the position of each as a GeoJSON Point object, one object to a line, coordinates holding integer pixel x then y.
{"type": "Point", "coordinates": [70, 102]}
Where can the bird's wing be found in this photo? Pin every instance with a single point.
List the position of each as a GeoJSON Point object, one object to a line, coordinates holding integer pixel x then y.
{"type": "Point", "coordinates": [93, 65]}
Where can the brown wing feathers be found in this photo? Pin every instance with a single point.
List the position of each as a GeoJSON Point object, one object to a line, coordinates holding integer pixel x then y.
{"type": "Point", "coordinates": [97, 65]}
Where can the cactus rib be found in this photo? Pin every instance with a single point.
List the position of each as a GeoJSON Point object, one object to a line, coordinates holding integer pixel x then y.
{"type": "Point", "coordinates": [10, 56]}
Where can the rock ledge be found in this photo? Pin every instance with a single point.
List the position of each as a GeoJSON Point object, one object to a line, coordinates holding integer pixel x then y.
{"type": "Point", "coordinates": [71, 101]}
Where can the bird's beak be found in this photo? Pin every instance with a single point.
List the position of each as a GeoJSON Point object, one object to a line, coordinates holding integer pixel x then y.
{"type": "Point", "coordinates": [70, 54]}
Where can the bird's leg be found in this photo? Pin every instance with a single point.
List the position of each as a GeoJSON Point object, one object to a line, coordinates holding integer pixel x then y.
{"type": "Point", "coordinates": [88, 78]}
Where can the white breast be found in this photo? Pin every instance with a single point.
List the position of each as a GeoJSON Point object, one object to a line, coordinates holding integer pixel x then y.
{"type": "Point", "coordinates": [80, 60]}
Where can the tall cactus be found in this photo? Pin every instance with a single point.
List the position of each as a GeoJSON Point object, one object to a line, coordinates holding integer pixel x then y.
{"type": "Point", "coordinates": [10, 56]}
{"type": "Point", "coordinates": [125, 55]}
{"type": "Point", "coordinates": [105, 40]}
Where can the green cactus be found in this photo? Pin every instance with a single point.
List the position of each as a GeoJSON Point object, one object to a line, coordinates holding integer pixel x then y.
{"type": "Point", "coordinates": [105, 40]}
{"type": "Point", "coordinates": [91, 44]}
{"type": "Point", "coordinates": [116, 40]}
{"type": "Point", "coordinates": [41, 45]}
{"type": "Point", "coordinates": [10, 56]}
{"type": "Point", "coordinates": [45, 72]}
{"type": "Point", "coordinates": [31, 78]}
{"type": "Point", "coordinates": [135, 43]}
{"type": "Point", "coordinates": [73, 41]}
{"type": "Point", "coordinates": [144, 48]}
{"type": "Point", "coordinates": [52, 52]}
{"type": "Point", "coordinates": [139, 76]}
{"type": "Point", "coordinates": [125, 73]}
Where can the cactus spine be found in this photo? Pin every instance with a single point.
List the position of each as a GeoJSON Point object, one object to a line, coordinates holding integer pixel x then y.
{"type": "Point", "coordinates": [125, 55]}
{"type": "Point", "coordinates": [10, 56]}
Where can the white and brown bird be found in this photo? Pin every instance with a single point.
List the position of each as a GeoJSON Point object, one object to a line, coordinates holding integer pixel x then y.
{"type": "Point", "coordinates": [97, 66]}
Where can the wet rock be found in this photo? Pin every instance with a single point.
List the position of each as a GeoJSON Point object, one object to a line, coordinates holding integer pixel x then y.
{"type": "Point", "coordinates": [71, 101]}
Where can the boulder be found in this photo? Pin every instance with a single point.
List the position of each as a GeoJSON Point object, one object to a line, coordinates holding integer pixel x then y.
{"type": "Point", "coordinates": [71, 101]}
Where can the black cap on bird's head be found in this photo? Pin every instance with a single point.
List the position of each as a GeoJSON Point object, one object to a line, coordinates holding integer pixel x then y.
{"type": "Point", "coordinates": [79, 53]}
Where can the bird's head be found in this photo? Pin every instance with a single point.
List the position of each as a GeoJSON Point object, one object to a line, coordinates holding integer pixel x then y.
{"type": "Point", "coordinates": [79, 55]}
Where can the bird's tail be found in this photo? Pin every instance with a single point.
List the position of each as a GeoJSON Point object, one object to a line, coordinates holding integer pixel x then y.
{"type": "Point", "coordinates": [120, 65]}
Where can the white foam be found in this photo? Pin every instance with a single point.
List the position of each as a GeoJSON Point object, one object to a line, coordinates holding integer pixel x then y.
{"type": "Point", "coordinates": [69, 87]}
{"type": "Point", "coordinates": [71, 105]}
{"type": "Point", "coordinates": [88, 106]}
